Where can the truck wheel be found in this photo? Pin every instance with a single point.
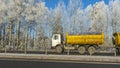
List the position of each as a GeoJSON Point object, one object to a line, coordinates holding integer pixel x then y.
{"type": "Point", "coordinates": [81, 49]}
{"type": "Point", "coordinates": [59, 49]}
{"type": "Point", "coordinates": [117, 51]}
{"type": "Point", "coordinates": [91, 50]}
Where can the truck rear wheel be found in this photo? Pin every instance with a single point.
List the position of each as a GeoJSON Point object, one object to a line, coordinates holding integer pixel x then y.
{"type": "Point", "coordinates": [59, 49]}
{"type": "Point", "coordinates": [117, 50]}
{"type": "Point", "coordinates": [91, 50]}
{"type": "Point", "coordinates": [81, 49]}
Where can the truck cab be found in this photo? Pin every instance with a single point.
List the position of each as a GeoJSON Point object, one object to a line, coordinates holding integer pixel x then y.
{"type": "Point", "coordinates": [57, 43]}
{"type": "Point", "coordinates": [116, 41]}
{"type": "Point", "coordinates": [56, 40]}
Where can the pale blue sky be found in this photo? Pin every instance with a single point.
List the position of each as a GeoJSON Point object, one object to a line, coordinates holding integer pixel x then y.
{"type": "Point", "coordinates": [53, 3]}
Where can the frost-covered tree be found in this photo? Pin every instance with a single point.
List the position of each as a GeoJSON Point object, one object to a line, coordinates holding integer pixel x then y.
{"type": "Point", "coordinates": [99, 18]}
{"type": "Point", "coordinates": [14, 17]}
{"type": "Point", "coordinates": [58, 15]}
{"type": "Point", "coordinates": [75, 16]}
{"type": "Point", "coordinates": [88, 17]}
{"type": "Point", "coordinates": [3, 11]}
{"type": "Point", "coordinates": [115, 14]}
{"type": "Point", "coordinates": [35, 16]}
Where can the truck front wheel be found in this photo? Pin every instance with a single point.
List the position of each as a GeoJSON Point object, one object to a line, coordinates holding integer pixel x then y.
{"type": "Point", "coordinates": [81, 49]}
{"type": "Point", "coordinates": [59, 49]}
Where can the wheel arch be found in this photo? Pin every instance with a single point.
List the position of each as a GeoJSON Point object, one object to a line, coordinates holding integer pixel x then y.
{"type": "Point", "coordinates": [96, 46]}
{"type": "Point", "coordinates": [58, 45]}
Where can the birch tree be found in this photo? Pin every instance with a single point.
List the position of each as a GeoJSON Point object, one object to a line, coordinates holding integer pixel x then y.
{"type": "Point", "coordinates": [3, 11]}
{"type": "Point", "coordinates": [75, 16]}
{"type": "Point", "coordinates": [58, 15]}
{"type": "Point", "coordinates": [115, 14]}
{"type": "Point", "coordinates": [99, 17]}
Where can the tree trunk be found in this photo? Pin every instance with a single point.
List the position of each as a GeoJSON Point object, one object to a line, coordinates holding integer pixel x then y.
{"type": "Point", "coordinates": [4, 35]}
{"type": "Point", "coordinates": [10, 33]}
{"type": "Point", "coordinates": [1, 36]}
{"type": "Point", "coordinates": [26, 40]}
{"type": "Point", "coordinates": [18, 35]}
{"type": "Point", "coordinates": [35, 38]}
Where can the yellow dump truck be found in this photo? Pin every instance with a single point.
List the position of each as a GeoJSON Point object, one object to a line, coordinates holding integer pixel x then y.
{"type": "Point", "coordinates": [85, 39]}
{"type": "Point", "coordinates": [116, 41]}
{"type": "Point", "coordinates": [81, 42]}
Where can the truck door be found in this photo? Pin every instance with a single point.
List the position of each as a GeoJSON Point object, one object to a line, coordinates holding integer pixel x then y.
{"type": "Point", "coordinates": [56, 40]}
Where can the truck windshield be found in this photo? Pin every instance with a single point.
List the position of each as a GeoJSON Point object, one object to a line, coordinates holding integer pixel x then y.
{"type": "Point", "coordinates": [55, 37]}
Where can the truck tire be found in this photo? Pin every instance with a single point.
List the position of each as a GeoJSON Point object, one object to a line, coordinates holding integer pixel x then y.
{"type": "Point", "coordinates": [59, 49]}
{"type": "Point", "coordinates": [81, 49]}
{"type": "Point", "coordinates": [91, 50]}
{"type": "Point", "coordinates": [117, 50]}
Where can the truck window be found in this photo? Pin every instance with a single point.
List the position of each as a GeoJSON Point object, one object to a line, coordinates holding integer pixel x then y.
{"type": "Point", "coordinates": [55, 37]}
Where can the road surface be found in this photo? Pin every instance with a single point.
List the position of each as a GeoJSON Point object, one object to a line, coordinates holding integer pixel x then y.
{"type": "Point", "coordinates": [10, 63]}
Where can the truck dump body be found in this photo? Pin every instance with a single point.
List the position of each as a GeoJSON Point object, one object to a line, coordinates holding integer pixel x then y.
{"type": "Point", "coordinates": [85, 39]}
{"type": "Point", "coordinates": [116, 39]}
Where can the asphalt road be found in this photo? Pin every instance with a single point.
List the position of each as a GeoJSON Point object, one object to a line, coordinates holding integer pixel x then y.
{"type": "Point", "coordinates": [6, 63]}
